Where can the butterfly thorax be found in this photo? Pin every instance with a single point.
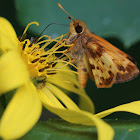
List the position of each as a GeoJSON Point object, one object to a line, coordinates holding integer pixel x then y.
{"type": "Point", "coordinates": [79, 36]}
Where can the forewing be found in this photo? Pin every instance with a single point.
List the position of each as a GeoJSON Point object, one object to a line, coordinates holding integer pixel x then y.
{"type": "Point", "coordinates": [101, 66]}
{"type": "Point", "coordinates": [109, 47]}
{"type": "Point", "coordinates": [125, 65]}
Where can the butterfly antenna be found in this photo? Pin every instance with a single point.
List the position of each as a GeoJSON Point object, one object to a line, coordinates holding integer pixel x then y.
{"type": "Point", "coordinates": [45, 29]}
{"type": "Point", "coordinates": [65, 11]}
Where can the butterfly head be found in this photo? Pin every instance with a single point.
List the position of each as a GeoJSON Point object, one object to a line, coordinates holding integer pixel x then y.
{"type": "Point", "coordinates": [77, 27]}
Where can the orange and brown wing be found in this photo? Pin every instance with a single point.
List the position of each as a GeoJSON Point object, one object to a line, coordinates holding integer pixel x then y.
{"type": "Point", "coordinates": [100, 66]}
{"type": "Point", "coordinates": [125, 67]}
{"type": "Point", "coordinates": [108, 46]}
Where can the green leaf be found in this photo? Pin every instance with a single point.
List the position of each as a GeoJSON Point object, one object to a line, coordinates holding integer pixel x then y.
{"type": "Point", "coordinates": [2, 104]}
{"type": "Point", "coordinates": [5, 99]}
{"type": "Point", "coordinates": [126, 130]}
{"type": "Point", "coordinates": [9, 95]}
{"type": "Point", "coordinates": [59, 129]}
{"type": "Point", "coordinates": [107, 18]}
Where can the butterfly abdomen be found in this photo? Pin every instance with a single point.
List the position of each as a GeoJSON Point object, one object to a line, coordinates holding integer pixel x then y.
{"type": "Point", "coordinates": [83, 75]}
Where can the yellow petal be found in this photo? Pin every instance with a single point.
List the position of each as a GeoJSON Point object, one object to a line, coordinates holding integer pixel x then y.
{"type": "Point", "coordinates": [8, 38]}
{"type": "Point", "coordinates": [68, 81]}
{"type": "Point", "coordinates": [21, 114]}
{"type": "Point", "coordinates": [13, 71]}
{"type": "Point", "coordinates": [133, 107]}
{"type": "Point", "coordinates": [7, 28]}
{"type": "Point", "coordinates": [62, 97]}
{"type": "Point", "coordinates": [47, 96]}
{"type": "Point", "coordinates": [105, 132]}
{"type": "Point", "coordinates": [85, 103]}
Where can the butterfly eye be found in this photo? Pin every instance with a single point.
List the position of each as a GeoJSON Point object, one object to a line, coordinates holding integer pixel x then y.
{"type": "Point", "coordinates": [79, 29]}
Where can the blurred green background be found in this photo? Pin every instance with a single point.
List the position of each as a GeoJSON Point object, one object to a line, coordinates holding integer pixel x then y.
{"type": "Point", "coordinates": [118, 21]}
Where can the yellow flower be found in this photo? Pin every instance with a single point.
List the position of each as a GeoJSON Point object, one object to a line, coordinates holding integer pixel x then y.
{"type": "Point", "coordinates": [25, 66]}
{"type": "Point", "coordinates": [31, 70]}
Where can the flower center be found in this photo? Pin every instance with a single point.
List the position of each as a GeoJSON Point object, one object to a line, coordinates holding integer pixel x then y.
{"type": "Point", "coordinates": [40, 58]}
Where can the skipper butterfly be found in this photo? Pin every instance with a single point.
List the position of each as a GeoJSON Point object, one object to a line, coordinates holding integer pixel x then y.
{"type": "Point", "coordinates": [96, 58]}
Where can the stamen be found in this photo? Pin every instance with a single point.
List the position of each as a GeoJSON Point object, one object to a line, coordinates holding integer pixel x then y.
{"type": "Point", "coordinates": [49, 37]}
{"type": "Point", "coordinates": [62, 70]}
{"type": "Point", "coordinates": [35, 60]}
{"type": "Point", "coordinates": [51, 73]}
{"type": "Point", "coordinates": [41, 70]}
{"type": "Point", "coordinates": [68, 63]}
{"type": "Point", "coordinates": [63, 35]}
{"type": "Point", "coordinates": [28, 27]}
{"type": "Point", "coordinates": [44, 55]}
{"type": "Point", "coordinates": [42, 62]}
